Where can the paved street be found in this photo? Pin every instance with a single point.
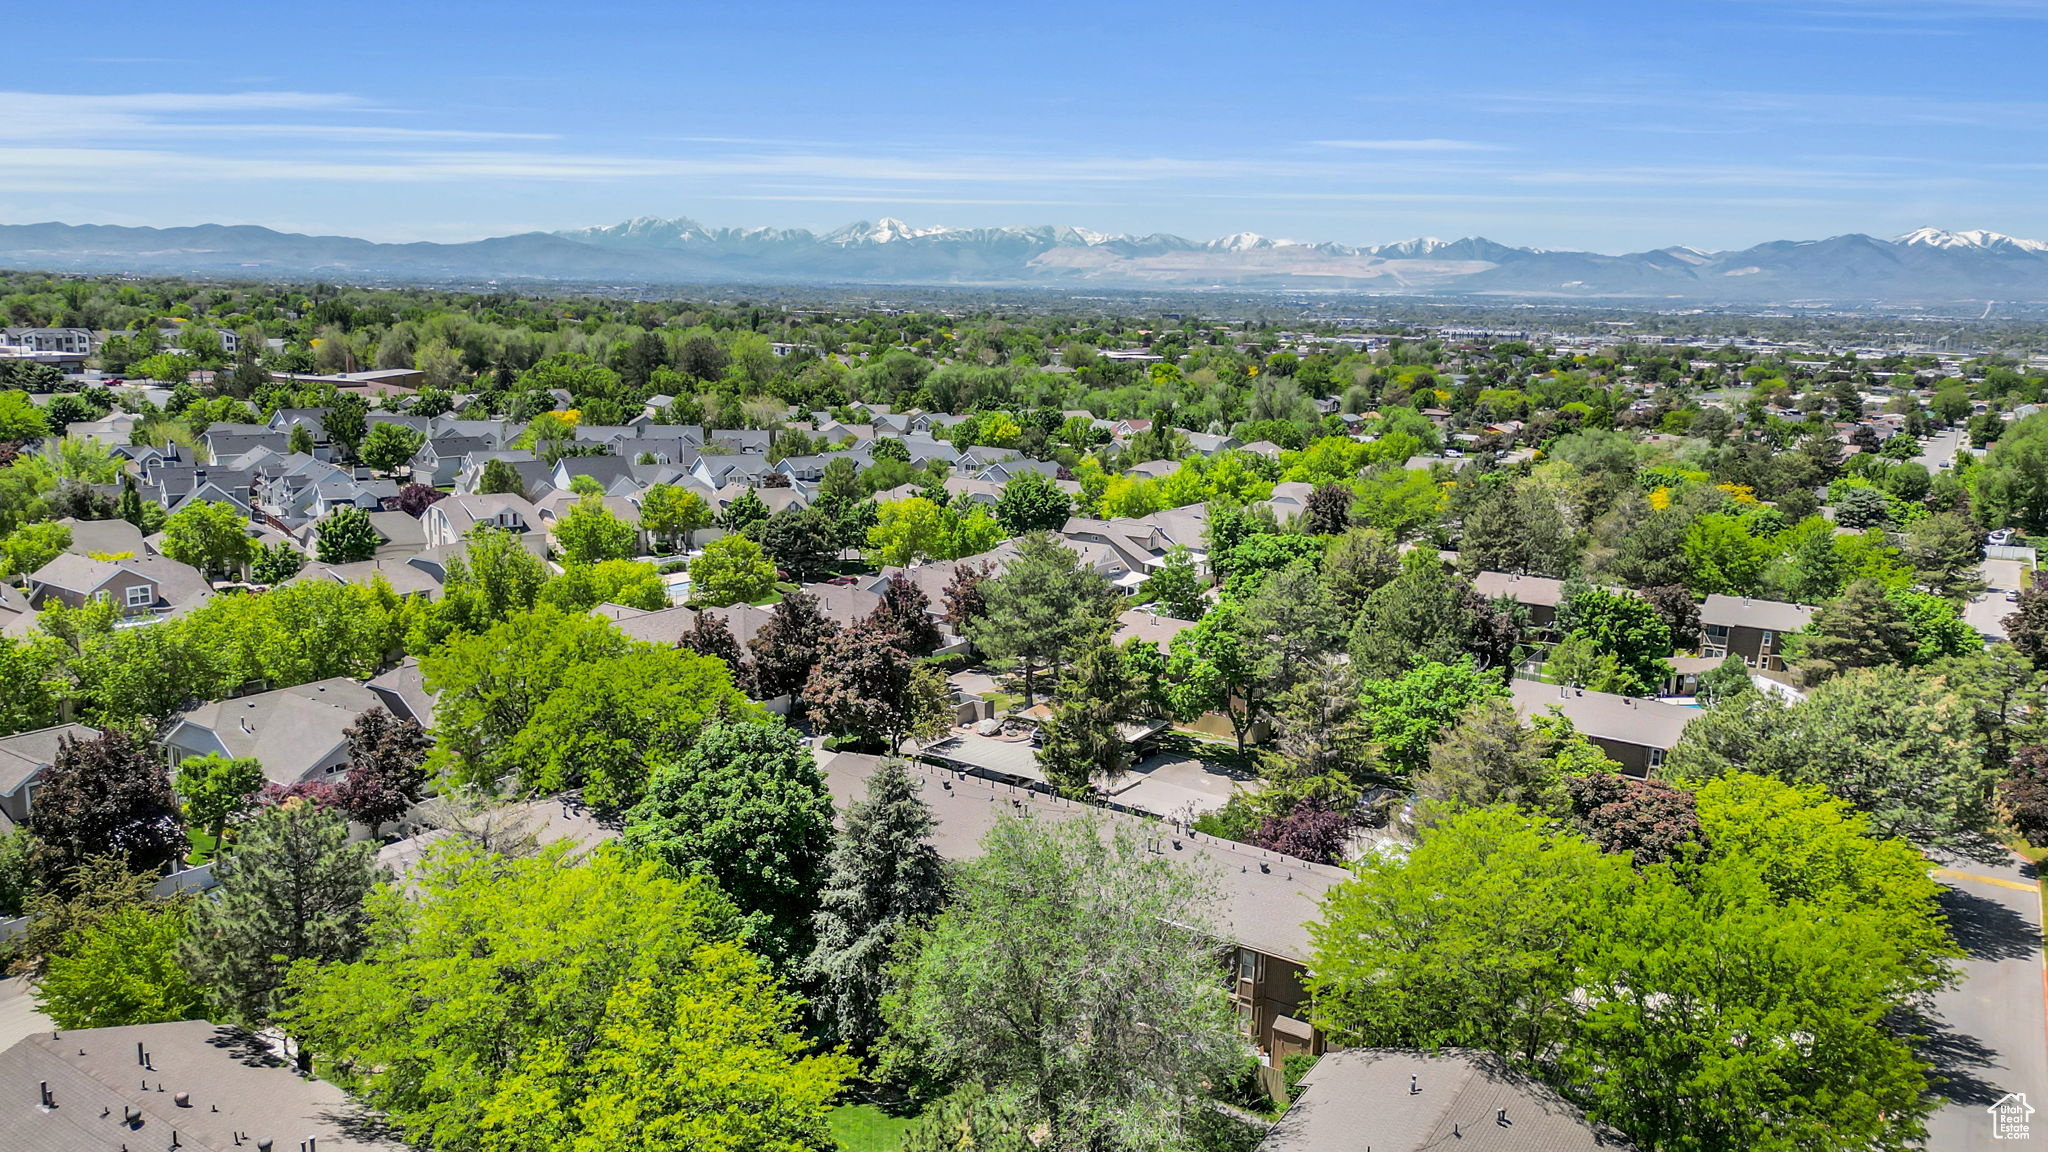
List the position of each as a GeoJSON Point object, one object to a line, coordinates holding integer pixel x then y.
{"type": "Point", "coordinates": [1993, 1035]}
{"type": "Point", "coordinates": [1986, 612]}
{"type": "Point", "coordinates": [1939, 448]}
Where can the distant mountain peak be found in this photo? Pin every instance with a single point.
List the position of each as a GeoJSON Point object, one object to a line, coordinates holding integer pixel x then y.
{"type": "Point", "coordinates": [1970, 238]}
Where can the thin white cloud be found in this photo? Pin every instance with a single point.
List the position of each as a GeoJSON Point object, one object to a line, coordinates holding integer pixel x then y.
{"type": "Point", "coordinates": [1411, 145]}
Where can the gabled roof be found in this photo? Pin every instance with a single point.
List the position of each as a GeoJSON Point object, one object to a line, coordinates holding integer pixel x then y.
{"type": "Point", "coordinates": [25, 754]}
{"type": "Point", "coordinates": [289, 730]}
{"type": "Point", "coordinates": [1606, 716]}
{"type": "Point", "coordinates": [1264, 900]}
{"type": "Point", "coordinates": [1739, 611]}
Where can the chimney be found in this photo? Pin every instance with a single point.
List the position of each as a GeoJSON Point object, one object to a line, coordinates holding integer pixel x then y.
{"type": "Point", "coordinates": [1414, 1089]}
{"type": "Point", "coordinates": [1500, 1117]}
{"type": "Point", "coordinates": [43, 1095]}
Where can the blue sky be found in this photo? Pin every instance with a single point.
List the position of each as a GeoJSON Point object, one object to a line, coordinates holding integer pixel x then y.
{"type": "Point", "coordinates": [1608, 126]}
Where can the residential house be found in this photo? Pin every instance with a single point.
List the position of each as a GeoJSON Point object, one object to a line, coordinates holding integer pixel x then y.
{"type": "Point", "coordinates": [1398, 1100]}
{"type": "Point", "coordinates": [1264, 900]}
{"type": "Point", "coordinates": [403, 689]}
{"type": "Point", "coordinates": [189, 1085]}
{"type": "Point", "coordinates": [142, 586]}
{"type": "Point", "coordinates": [24, 757]}
{"type": "Point", "coordinates": [107, 538]}
{"type": "Point", "coordinates": [298, 734]}
{"type": "Point", "coordinates": [613, 474]}
{"type": "Point", "coordinates": [442, 458]}
{"type": "Point", "coordinates": [1755, 630]}
{"type": "Point", "coordinates": [1210, 443]}
{"type": "Point", "coordinates": [63, 341]}
{"type": "Point", "coordinates": [536, 477]}
{"type": "Point", "coordinates": [1635, 733]}
{"type": "Point", "coordinates": [448, 520]}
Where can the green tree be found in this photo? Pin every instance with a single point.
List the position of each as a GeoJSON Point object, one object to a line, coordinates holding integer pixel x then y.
{"type": "Point", "coordinates": [20, 419]}
{"type": "Point", "coordinates": [493, 577]}
{"type": "Point", "coordinates": [1177, 585]}
{"type": "Point", "coordinates": [1406, 714]}
{"type": "Point", "coordinates": [580, 1005]}
{"type": "Point", "coordinates": [1862, 629]}
{"type": "Point", "coordinates": [732, 570]}
{"type": "Point", "coordinates": [671, 514]}
{"type": "Point", "coordinates": [1046, 909]}
{"type": "Point", "coordinates": [1418, 617]}
{"type": "Point", "coordinates": [589, 533]}
{"type": "Point", "coordinates": [1944, 551]}
{"type": "Point", "coordinates": [906, 530]}
{"type": "Point", "coordinates": [31, 546]}
{"type": "Point", "coordinates": [1040, 609]}
{"type": "Point", "coordinates": [885, 881]}
{"type": "Point", "coordinates": [1627, 989]}
{"type": "Point", "coordinates": [500, 477]}
{"type": "Point", "coordinates": [2011, 485]}
{"type": "Point", "coordinates": [1030, 503]}
{"type": "Point", "coordinates": [1359, 563]}
{"type": "Point", "coordinates": [632, 583]}
{"type": "Point", "coordinates": [292, 890]}
{"type": "Point", "coordinates": [210, 536]}
{"type": "Point", "coordinates": [122, 969]}
{"type": "Point", "coordinates": [744, 512]}
{"type": "Point", "coordinates": [216, 789]}
{"type": "Point", "coordinates": [799, 542]}
{"type": "Point", "coordinates": [276, 563]}
{"type": "Point", "coordinates": [346, 422]}
{"type": "Point", "coordinates": [389, 447]}
{"type": "Point", "coordinates": [1083, 741]}
{"type": "Point", "coordinates": [346, 536]}
{"type": "Point", "coordinates": [747, 807]}
{"type": "Point", "coordinates": [300, 442]}
{"type": "Point", "coordinates": [1625, 625]}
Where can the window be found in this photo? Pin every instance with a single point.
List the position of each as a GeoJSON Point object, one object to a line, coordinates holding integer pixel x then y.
{"type": "Point", "coordinates": [1244, 1019]}
{"type": "Point", "coordinates": [1717, 632]}
{"type": "Point", "coordinates": [141, 596]}
{"type": "Point", "coordinates": [1767, 639]}
{"type": "Point", "coordinates": [1656, 757]}
{"type": "Point", "coordinates": [1247, 965]}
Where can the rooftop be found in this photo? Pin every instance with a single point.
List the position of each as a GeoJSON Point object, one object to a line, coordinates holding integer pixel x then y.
{"type": "Point", "coordinates": [217, 1089]}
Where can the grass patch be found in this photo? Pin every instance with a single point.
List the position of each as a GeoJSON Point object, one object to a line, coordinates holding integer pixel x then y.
{"type": "Point", "coordinates": [203, 848]}
{"type": "Point", "coordinates": [1002, 702]}
{"type": "Point", "coordinates": [867, 1128]}
{"type": "Point", "coordinates": [2033, 855]}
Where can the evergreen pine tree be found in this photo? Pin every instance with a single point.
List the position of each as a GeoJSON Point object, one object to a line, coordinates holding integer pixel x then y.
{"type": "Point", "coordinates": [292, 890]}
{"type": "Point", "coordinates": [885, 878]}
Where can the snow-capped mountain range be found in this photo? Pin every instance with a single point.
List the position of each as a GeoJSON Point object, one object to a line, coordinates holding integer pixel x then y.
{"type": "Point", "coordinates": [1927, 265]}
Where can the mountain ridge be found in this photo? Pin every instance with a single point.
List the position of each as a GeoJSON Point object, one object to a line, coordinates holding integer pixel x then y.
{"type": "Point", "coordinates": [1924, 265]}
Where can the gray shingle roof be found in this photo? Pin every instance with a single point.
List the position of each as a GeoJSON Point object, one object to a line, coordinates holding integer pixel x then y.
{"type": "Point", "coordinates": [1363, 1098]}
{"type": "Point", "coordinates": [231, 1082]}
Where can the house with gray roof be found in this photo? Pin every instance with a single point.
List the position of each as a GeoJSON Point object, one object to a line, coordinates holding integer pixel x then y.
{"type": "Point", "coordinates": [1755, 630]}
{"type": "Point", "coordinates": [1397, 1100]}
{"type": "Point", "coordinates": [190, 1085]}
{"type": "Point", "coordinates": [1635, 733]}
{"type": "Point", "coordinates": [24, 757]}
{"type": "Point", "coordinates": [145, 585]}
{"type": "Point", "coordinates": [296, 733]}
{"type": "Point", "coordinates": [1263, 900]}
{"type": "Point", "coordinates": [448, 520]}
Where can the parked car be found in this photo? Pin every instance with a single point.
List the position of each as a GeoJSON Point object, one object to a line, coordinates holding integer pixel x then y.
{"type": "Point", "coordinates": [2012, 594]}
{"type": "Point", "coordinates": [2000, 538]}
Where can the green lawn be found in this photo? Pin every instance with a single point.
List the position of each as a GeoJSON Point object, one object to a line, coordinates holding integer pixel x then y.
{"type": "Point", "coordinates": [203, 847]}
{"type": "Point", "coordinates": [1002, 702]}
{"type": "Point", "coordinates": [867, 1128]}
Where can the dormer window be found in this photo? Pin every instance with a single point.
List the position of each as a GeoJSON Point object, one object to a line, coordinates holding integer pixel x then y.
{"type": "Point", "coordinates": [141, 596]}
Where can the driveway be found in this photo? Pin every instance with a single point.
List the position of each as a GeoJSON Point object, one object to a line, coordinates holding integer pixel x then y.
{"type": "Point", "coordinates": [1991, 1035]}
{"type": "Point", "coordinates": [1987, 611]}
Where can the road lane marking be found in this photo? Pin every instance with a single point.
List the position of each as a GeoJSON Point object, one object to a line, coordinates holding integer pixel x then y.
{"type": "Point", "coordinates": [2015, 885]}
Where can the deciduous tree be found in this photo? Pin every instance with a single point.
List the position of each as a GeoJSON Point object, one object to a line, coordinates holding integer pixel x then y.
{"type": "Point", "coordinates": [635, 1019]}
{"type": "Point", "coordinates": [747, 807]}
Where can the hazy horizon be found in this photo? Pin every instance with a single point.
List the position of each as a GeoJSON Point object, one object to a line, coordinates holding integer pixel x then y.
{"type": "Point", "coordinates": [1713, 123]}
